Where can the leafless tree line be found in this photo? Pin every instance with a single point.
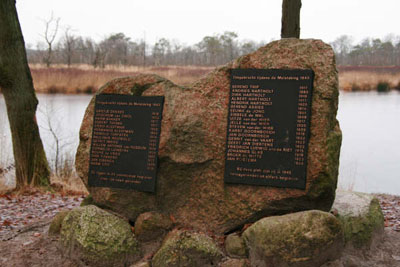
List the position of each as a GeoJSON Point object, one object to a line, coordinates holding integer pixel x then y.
{"type": "Point", "coordinates": [118, 49]}
{"type": "Point", "coordinates": [369, 52]}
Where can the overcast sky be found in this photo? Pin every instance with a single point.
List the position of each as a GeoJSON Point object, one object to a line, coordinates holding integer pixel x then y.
{"type": "Point", "coordinates": [189, 21]}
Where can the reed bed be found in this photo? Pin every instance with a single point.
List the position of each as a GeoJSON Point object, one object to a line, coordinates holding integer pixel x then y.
{"type": "Point", "coordinates": [80, 79]}
{"type": "Point", "coordinates": [368, 78]}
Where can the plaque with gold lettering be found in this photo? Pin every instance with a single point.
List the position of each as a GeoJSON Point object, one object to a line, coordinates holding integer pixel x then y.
{"type": "Point", "coordinates": [268, 127]}
{"type": "Point", "coordinates": [126, 132]}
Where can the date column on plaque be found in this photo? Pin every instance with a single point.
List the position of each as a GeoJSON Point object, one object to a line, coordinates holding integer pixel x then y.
{"type": "Point", "coordinates": [268, 127]}
{"type": "Point", "coordinates": [125, 137]}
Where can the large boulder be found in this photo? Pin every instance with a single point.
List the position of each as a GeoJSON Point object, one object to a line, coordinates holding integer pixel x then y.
{"type": "Point", "coordinates": [90, 235]}
{"type": "Point", "coordinates": [190, 180]}
{"type": "Point", "coordinates": [307, 238]}
{"type": "Point", "coordinates": [361, 216]}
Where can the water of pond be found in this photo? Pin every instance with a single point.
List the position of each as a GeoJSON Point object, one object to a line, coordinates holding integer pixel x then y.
{"type": "Point", "coordinates": [370, 122]}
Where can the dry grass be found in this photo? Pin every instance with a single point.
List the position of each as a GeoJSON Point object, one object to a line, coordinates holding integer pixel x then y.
{"type": "Point", "coordinates": [369, 78]}
{"type": "Point", "coordinates": [85, 79]}
{"type": "Point", "coordinates": [71, 185]}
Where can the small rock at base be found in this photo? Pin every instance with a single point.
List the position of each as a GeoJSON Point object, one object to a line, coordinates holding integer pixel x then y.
{"type": "Point", "coordinates": [151, 225]}
{"type": "Point", "coordinates": [184, 248]}
{"type": "Point", "coordinates": [235, 246]}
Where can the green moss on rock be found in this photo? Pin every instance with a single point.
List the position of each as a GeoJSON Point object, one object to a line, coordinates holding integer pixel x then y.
{"type": "Point", "coordinates": [87, 201]}
{"type": "Point", "coordinates": [56, 223]}
{"type": "Point", "coordinates": [361, 216]}
{"type": "Point", "coordinates": [184, 248]}
{"type": "Point", "coordinates": [308, 238]}
{"type": "Point", "coordinates": [94, 236]}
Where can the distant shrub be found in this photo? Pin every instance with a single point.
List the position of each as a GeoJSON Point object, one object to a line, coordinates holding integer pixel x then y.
{"type": "Point", "coordinates": [355, 87]}
{"type": "Point", "coordinates": [383, 86]}
{"type": "Point", "coordinates": [89, 90]}
{"type": "Point", "coordinates": [55, 90]}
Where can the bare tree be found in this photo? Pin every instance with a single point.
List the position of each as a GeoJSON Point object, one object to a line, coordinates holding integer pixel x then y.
{"type": "Point", "coordinates": [50, 33]}
{"type": "Point", "coordinates": [60, 140]}
{"type": "Point", "coordinates": [228, 40]}
{"type": "Point", "coordinates": [159, 51]}
{"type": "Point", "coordinates": [211, 47]}
{"type": "Point", "coordinates": [116, 49]}
{"type": "Point", "coordinates": [144, 49]}
{"type": "Point", "coordinates": [291, 19]}
{"type": "Point", "coordinates": [31, 165]}
{"type": "Point", "coordinates": [100, 54]}
{"type": "Point", "coordinates": [68, 46]}
{"type": "Point", "coordinates": [342, 46]}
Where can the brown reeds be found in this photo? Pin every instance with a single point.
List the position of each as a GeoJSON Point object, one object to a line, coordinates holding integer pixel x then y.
{"type": "Point", "coordinates": [367, 78]}
{"type": "Point", "coordinates": [85, 79]}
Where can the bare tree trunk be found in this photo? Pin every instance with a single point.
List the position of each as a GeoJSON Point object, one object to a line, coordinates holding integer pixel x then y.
{"type": "Point", "coordinates": [49, 36]}
{"type": "Point", "coordinates": [291, 19]}
{"type": "Point", "coordinates": [16, 84]}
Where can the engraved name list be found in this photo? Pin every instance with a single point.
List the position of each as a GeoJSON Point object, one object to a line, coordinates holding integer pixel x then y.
{"type": "Point", "coordinates": [268, 127]}
{"type": "Point", "coordinates": [125, 139]}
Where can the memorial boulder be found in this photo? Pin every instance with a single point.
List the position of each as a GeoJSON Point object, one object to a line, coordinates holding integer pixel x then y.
{"type": "Point", "coordinates": [190, 182]}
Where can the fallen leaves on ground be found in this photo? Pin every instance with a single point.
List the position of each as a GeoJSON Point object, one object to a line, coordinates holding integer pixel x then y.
{"type": "Point", "coordinates": [17, 211]}
{"type": "Point", "coordinates": [390, 206]}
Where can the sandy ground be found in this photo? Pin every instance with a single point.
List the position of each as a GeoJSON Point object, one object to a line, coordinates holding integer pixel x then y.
{"type": "Point", "coordinates": [25, 220]}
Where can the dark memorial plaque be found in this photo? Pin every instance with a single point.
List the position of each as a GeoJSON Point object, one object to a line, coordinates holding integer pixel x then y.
{"type": "Point", "coordinates": [268, 127]}
{"type": "Point", "coordinates": [126, 132]}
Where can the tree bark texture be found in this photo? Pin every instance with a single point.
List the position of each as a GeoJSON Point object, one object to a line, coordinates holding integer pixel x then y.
{"type": "Point", "coordinates": [16, 83]}
{"type": "Point", "coordinates": [291, 19]}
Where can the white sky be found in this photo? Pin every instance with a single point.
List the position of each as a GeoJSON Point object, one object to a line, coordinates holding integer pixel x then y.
{"type": "Point", "coordinates": [189, 21]}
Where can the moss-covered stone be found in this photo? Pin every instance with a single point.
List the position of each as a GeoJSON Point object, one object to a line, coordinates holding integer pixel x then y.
{"type": "Point", "coordinates": [91, 235]}
{"type": "Point", "coordinates": [361, 216]}
{"type": "Point", "coordinates": [150, 225]}
{"type": "Point", "coordinates": [308, 238]}
{"type": "Point", "coordinates": [235, 246]}
{"type": "Point", "coordinates": [184, 249]}
{"type": "Point", "coordinates": [55, 226]}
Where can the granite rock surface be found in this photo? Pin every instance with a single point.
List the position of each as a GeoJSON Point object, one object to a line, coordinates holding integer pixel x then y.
{"type": "Point", "coordinates": [190, 184]}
